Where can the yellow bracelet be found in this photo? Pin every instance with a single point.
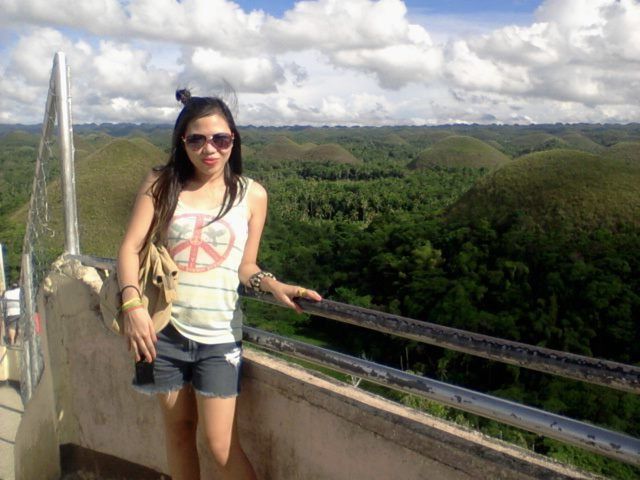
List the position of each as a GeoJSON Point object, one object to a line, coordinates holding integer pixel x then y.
{"type": "Point", "coordinates": [134, 302]}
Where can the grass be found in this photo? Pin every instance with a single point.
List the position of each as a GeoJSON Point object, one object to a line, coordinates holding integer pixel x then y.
{"type": "Point", "coordinates": [629, 151]}
{"type": "Point", "coordinates": [460, 151]}
{"type": "Point", "coordinates": [557, 188]}
{"type": "Point", "coordinates": [106, 183]}
{"type": "Point", "coordinates": [330, 152]}
{"type": "Point", "coordinates": [580, 142]}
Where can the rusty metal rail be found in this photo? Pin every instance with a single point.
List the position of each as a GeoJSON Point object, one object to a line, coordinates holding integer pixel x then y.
{"type": "Point", "coordinates": [596, 439]}
{"type": "Point", "coordinates": [578, 367]}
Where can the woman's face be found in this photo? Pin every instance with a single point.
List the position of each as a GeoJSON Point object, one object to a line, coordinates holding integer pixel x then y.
{"type": "Point", "coordinates": [209, 158]}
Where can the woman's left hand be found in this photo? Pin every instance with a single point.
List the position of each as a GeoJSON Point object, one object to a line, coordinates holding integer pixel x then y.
{"type": "Point", "coordinates": [285, 293]}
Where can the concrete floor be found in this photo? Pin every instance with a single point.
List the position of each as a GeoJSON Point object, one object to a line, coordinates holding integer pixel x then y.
{"type": "Point", "coordinates": [10, 414]}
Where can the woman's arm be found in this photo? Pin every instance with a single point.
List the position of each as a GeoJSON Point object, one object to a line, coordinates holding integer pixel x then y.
{"type": "Point", "coordinates": [257, 200]}
{"type": "Point", "coordinates": [138, 327]}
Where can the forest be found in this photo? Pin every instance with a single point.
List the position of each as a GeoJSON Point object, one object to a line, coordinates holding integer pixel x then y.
{"type": "Point", "coordinates": [529, 233]}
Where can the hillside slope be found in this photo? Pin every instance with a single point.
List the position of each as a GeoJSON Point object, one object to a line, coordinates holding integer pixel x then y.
{"type": "Point", "coordinates": [557, 189]}
{"type": "Point", "coordinates": [106, 184]}
{"type": "Point", "coordinates": [460, 151]}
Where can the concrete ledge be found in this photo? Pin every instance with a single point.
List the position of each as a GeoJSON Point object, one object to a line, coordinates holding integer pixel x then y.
{"type": "Point", "coordinates": [294, 424]}
{"type": "Point", "coordinates": [320, 428]}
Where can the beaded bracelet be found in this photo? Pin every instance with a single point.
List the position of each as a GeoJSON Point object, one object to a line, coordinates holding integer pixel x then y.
{"type": "Point", "coordinates": [255, 281]}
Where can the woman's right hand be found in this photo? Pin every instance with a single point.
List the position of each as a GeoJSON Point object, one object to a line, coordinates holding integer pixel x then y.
{"type": "Point", "coordinates": [140, 334]}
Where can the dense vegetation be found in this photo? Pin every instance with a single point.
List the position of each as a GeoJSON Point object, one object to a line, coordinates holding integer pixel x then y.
{"type": "Point", "coordinates": [540, 247]}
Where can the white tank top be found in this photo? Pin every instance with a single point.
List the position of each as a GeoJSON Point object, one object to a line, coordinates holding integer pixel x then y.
{"type": "Point", "coordinates": [208, 255]}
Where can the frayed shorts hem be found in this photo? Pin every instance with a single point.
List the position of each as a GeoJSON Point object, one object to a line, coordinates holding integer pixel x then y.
{"type": "Point", "coordinates": [215, 395]}
{"type": "Point", "coordinates": [157, 390]}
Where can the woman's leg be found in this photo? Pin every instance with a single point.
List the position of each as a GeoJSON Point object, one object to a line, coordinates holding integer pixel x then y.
{"type": "Point", "coordinates": [218, 420]}
{"type": "Point", "coordinates": [180, 414]}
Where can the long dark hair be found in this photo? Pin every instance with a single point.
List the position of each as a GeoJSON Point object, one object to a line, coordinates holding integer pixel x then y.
{"type": "Point", "coordinates": [178, 170]}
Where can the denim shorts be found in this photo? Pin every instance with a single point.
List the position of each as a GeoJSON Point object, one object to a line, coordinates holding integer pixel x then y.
{"type": "Point", "coordinates": [212, 370]}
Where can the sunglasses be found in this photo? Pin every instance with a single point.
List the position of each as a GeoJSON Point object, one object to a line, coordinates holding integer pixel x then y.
{"type": "Point", "coordinates": [196, 141]}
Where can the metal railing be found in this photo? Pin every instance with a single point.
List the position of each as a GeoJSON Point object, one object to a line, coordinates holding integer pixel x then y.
{"type": "Point", "coordinates": [603, 372]}
{"type": "Point", "coordinates": [57, 107]}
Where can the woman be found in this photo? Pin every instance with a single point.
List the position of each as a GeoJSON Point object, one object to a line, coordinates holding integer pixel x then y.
{"type": "Point", "coordinates": [211, 219]}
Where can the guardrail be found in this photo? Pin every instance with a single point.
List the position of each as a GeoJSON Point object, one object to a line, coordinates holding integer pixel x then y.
{"type": "Point", "coordinates": [603, 372]}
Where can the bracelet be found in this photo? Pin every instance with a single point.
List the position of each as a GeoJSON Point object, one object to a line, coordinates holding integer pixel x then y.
{"type": "Point", "coordinates": [131, 309]}
{"type": "Point", "coordinates": [134, 302]}
{"type": "Point", "coordinates": [130, 286]}
{"type": "Point", "coordinates": [255, 281]}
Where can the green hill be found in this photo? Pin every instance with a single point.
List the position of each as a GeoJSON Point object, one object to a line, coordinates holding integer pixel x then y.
{"type": "Point", "coordinates": [393, 139]}
{"type": "Point", "coordinates": [150, 148]}
{"type": "Point", "coordinates": [556, 189]}
{"type": "Point", "coordinates": [460, 151]}
{"type": "Point", "coordinates": [521, 144]}
{"type": "Point", "coordinates": [580, 142]}
{"type": "Point", "coordinates": [624, 151]}
{"type": "Point", "coordinates": [308, 145]}
{"type": "Point", "coordinates": [247, 151]}
{"type": "Point", "coordinates": [424, 138]}
{"type": "Point", "coordinates": [19, 138]}
{"type": "Point", "coordinates": [330, 152]}
{"type": "Point", "coordinates": [280, 148]}
{"type": "Point", "coordinates": [106, 183]}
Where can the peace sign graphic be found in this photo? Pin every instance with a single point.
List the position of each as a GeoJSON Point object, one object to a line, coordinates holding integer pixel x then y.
{"type": "Point", "coordinates": [208, 246]}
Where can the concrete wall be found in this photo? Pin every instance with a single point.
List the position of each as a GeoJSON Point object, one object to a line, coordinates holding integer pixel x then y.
{"type": "Point", "coordinates": [294, 423]}
{"type": "Point", "coordinates": [36, 452]}
{"type": "Point", "coordinates": [9, 363]}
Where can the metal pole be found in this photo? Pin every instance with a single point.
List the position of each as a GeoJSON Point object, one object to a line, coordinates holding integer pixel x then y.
{"type": "Point", "coordinates": [26, 369]}
{"type": "Point", "coordinates": [578, 367]}
{"type": "Point", "coordinates": [63, 108]}
{"type": "Point", "coordinates": [30, 340]}
{"type": "Point", "coordinates": [596, 439]}
{"type": "Point", "coordinates": [3, 279]}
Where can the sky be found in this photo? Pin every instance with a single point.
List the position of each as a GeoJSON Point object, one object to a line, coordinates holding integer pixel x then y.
{"type": "Point", "coordinates": [328, 62]}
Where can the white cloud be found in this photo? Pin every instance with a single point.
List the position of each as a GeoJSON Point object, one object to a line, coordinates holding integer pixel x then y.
{"type": "Point", "coordinates": [32, 59]}
{"type": "Point", "coordinates": [120, 70]}
{"type": "Point", "coordinates": [324, 61]}
{"type": "Point", "coordinates": [217, 24]}
{"type": "Point", "coordinates": [583, 51]}
{"type": "Point", "coordinates": [208, 67]}
{"type": "Point", "coordinates": [97, 16]}
{"type": "Point", "coordinates": [468, 69]}
{"type": "Point", "coordinates": [374, 37]}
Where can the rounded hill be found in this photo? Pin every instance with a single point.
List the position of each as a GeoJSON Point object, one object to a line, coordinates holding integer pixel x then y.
{"type": "Point", "coordinates": [19, 138]}
{"type": "Point", "coordinates": [460, 151]}
{"type": "Point", "coordinates": [535, 142]}
{"type": "Point", "coordinates": [624, 151]}
{"type": "Point", "coordinates": [106, 184]}
{"type": "Point", "coordinates": [330, 152]}
{"type": "Point", "coordinates": [393, 139]}
{"type": "Point", "coordinates": [580, 142]}
{"type": "Point", "coordinates": [280, 148]}
{"type": "Point", "coordinates": [557, 189]}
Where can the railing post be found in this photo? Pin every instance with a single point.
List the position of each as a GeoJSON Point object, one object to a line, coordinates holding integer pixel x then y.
{"type": "Point", "coordinates": [65, 133]}
{"type": "Point", "coordinates": [3, 280]}
{"type": "Point", "coordinates": [26, 315]}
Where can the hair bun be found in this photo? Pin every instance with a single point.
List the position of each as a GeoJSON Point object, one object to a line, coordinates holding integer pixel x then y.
{"type": "Point", "coordinates": [183, 96]}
